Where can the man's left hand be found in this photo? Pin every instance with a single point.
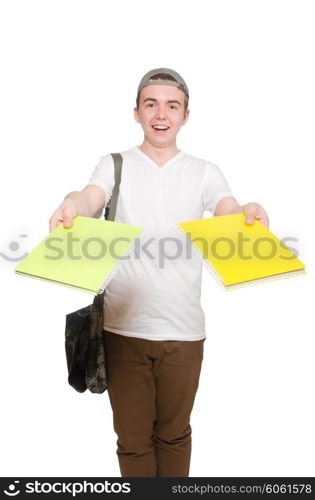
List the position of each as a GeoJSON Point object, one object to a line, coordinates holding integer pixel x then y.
{"type": "Point", "coordinates": [255, 211]}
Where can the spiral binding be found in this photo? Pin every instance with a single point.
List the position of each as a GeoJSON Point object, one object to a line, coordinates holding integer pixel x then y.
{"type": "Point", "coordinates": [108, 278]}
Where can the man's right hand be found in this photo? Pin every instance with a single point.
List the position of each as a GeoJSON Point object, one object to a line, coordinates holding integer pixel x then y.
{"type": "Point", "coordinates": [64, 214]}
{"type": "Point", "coordinates": [89, 202]}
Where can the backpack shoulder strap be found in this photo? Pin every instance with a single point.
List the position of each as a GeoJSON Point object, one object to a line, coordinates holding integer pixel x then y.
{"type": "Point", "coordinates": [110, 210]}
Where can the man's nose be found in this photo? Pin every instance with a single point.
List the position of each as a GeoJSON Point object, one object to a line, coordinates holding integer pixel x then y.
{"type": "Point", "coordinates": [161, 112]}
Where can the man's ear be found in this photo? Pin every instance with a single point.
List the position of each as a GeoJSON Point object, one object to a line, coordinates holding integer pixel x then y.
{"type": "Point", "coordinates": [136, 115]}
{"type": "Point", "coordinates": [186, 116]}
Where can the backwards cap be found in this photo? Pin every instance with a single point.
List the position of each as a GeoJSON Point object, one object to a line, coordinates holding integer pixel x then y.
{"type": "Point", "coordinates": [179, 81]}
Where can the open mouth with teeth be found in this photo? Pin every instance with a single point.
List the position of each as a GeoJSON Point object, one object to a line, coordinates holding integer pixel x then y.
{"type": "Point", "coordinates": [160, 128]}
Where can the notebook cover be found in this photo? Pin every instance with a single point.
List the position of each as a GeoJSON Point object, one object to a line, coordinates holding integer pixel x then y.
{"type": "Point", "coordinates": [85, 256]}
{"type": "Point", "coordinates": [240, 253]}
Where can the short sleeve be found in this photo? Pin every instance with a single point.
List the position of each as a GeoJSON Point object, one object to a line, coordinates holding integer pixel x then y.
{"type": "Point", "coordinates": [215, 187]}
{"type": "Point", "coordinates": [104, 175]}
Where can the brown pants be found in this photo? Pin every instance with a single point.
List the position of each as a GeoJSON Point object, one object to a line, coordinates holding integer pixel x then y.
{"type": "Point", "coordinates": [152, 387]}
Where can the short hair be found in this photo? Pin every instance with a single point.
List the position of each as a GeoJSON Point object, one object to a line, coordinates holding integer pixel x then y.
{"type": "Point", "coordinates": [165, 77]}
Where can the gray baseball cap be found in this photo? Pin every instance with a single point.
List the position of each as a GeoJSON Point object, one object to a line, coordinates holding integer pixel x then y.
{"type": "Point", "coordinates": [179, 81]}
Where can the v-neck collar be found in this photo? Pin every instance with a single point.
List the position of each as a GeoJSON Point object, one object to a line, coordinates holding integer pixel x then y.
{"type": "Point", "coordinates": [160, 167]}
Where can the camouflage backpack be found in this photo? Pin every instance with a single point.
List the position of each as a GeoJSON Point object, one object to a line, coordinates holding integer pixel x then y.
{"type": "Point", "coordinates": [85, 350]}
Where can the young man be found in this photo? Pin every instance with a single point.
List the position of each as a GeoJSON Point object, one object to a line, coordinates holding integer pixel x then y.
{"type": "Point", "coordinates": [154, 323]}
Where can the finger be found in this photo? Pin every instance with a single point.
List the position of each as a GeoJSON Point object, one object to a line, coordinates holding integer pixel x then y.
{"type": "Point", "coordinates": [251, 211]}
{"type": "Point", "coordinates": [53, 223]}
{"type": "Point", "coordinates": [67, 219]}
{"type": "Point", "coordinates": [264, 220]}
{"type": "Point", "coordinates": [261, 216]}
{"type": "Point", "coordinates": [250, 219]}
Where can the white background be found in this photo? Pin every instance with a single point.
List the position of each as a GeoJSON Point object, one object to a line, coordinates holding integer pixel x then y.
{"type": "Point", "coordinates": [70, 70]}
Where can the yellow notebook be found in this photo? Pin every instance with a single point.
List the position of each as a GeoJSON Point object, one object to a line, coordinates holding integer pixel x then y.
{"type": "Point", "coordinates": [85, 256]}
{"type": "Point", "coordinates": [239, 254]}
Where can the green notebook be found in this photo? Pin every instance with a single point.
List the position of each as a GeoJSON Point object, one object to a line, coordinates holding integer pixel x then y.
{"type": "Point", "coordinates": [85, 256]}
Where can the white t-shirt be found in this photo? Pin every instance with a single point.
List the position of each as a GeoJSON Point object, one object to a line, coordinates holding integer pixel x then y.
{"type": "Point", "coordinates": [155, 294]}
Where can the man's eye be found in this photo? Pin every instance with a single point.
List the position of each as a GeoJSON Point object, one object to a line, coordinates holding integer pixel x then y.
{"type": "Point", "coordinates": [173, 107]}
{"type": "Point", "coordinates": [150, 105]}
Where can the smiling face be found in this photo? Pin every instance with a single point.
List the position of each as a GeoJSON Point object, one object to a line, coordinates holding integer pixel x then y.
{"type": "Point", "coordinates": [161, 113]}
